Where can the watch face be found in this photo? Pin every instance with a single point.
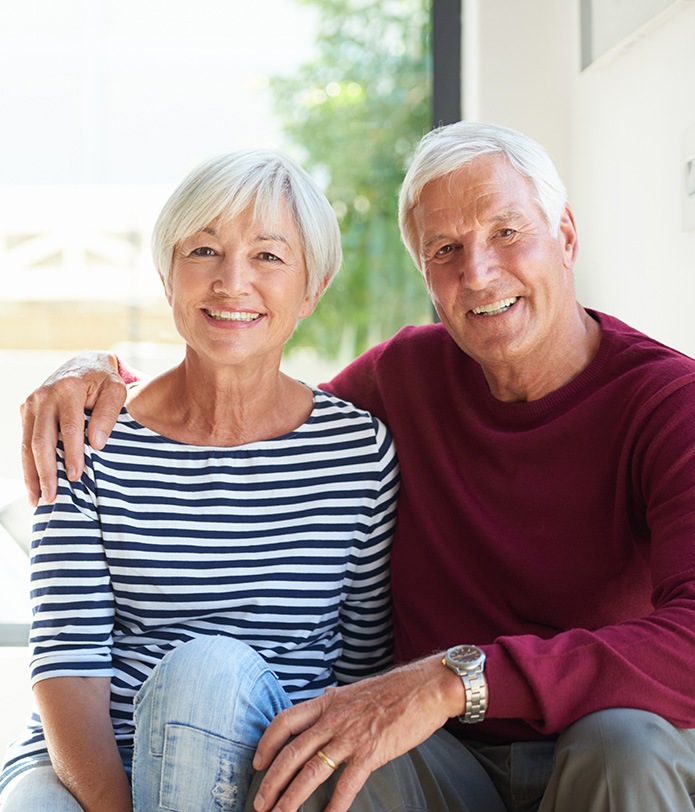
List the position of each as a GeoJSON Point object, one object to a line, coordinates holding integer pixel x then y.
{"type": "Point", "coordinates": [466, 657]}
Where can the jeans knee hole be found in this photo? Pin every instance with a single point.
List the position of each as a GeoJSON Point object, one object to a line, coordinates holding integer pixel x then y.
{"type": "Point", "coordinates": [226, 791]}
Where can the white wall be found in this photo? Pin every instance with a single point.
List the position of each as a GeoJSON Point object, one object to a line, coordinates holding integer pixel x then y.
{"type": "Point", "coordinates": [518, 61]}
{"type": "Point", "coordinates": [614, 131]}
{"type": "Point", "coordinates": [630, 110]}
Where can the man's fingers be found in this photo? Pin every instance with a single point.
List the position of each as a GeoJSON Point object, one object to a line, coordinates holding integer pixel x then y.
{"type": "Point", "coordinates": [58, 406]}
{"type": "Point", "coordinates": [313, 773]}
{"type": "Point", "coordinates": [316, 771]}
{"type": "Point", "coordinates": [363, 725]}
{"type": "Point", "coordinates": [31, 474]}
{"type": "Point", "coordinates": [107, 406]}
{"type": "Point", "coordinates": [286, 724]}
{"type": "Point", "coordinates": [349, 784]}
{"type": "Point", "coordinates": [296, 757]}
{"type": "Point", "coordinates": [71, 428]}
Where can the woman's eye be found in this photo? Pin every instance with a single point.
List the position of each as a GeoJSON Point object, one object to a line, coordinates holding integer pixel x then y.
{"type": "Point", "coordinates": [203, 251]}
{"type": "Point", "coordinates": [506, 232]}
{"type": "Point", "coordinates": [268, 257]}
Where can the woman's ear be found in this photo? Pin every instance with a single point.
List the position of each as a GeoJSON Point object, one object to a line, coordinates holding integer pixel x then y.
{"type": "Point", "coordinates": [167, 292]}
{"type": "Point", "coordinates": [312, 299]}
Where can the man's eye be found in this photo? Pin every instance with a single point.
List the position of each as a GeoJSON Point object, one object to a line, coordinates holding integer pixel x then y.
{"type": "Point", "coordinates": [446, 249]}
{"type": "Point", "coordinates": [203, 251]}
{"type": "Point", "coordinates": [506, 232]}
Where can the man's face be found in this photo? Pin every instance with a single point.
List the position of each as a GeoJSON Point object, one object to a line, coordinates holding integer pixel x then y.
{"type": "Point", "coordinates": [501, 283]}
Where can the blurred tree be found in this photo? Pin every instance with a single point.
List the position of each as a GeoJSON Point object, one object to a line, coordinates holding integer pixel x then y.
{"type": "Point", "coordinates": [355, 112]}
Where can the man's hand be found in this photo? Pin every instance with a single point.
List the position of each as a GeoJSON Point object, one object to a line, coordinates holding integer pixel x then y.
{"type": "Point", "coordinates": [89, 380]}
{"type": "Point", "coordinates": [363, 725]}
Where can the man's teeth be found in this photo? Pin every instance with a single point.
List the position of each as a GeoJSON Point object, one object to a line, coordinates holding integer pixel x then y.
{"type": "Point", "coordinates": [495, 308]}
{"type": "Point", "coordinates": [232, 315]}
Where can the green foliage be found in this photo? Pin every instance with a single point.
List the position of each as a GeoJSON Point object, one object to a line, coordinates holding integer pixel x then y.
{"type": "Point", "coordinates": [355, 112]}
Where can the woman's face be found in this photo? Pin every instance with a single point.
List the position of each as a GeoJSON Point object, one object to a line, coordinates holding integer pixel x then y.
{"type": "Point", "coordinates": [238, 289]}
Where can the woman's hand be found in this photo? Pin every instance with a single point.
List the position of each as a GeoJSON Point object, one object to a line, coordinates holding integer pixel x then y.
{"type": "Point", "coordinates": [363, 725]}
{"type": "Point", "coordinates": [89, 380]}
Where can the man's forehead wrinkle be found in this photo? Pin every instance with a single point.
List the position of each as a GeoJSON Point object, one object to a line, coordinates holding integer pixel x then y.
{"type": "Point", "coordinates": [459, 223]}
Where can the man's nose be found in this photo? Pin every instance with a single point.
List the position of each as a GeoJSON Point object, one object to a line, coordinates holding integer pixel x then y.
{"type": "Point", "coordinates": [479, 267]}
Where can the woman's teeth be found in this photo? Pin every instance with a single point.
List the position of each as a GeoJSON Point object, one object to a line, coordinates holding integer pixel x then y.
{"type": "Point", "coordinates": [232, 315]}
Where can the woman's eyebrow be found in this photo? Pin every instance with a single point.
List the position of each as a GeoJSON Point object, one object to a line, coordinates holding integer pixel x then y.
{"type": "Point", "coordinates": [271, 238]}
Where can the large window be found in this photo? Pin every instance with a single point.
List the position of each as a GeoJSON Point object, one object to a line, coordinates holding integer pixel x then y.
{"type": "Point", "coordinates": [107, 105]}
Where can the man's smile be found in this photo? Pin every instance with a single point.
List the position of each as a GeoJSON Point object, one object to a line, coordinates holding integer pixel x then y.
{"type": "Point", "coordinates": [495, 308]}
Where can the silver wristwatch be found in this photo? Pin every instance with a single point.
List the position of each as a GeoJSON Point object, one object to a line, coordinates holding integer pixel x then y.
{"type": "Point", "coordinates": [468, 662]}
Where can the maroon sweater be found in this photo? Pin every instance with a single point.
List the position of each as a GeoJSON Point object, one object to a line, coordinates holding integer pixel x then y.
{"type": "Point", "coordinates": [558, 534]}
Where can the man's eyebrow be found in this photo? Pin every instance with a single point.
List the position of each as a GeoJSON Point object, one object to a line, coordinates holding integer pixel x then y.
{"type": "Point", "coordinates": [506, 215]}
{"type": "Point", "coordinates": [433, 239]}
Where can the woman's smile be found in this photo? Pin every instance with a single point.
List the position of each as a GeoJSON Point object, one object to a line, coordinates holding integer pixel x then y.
{"type": "Point", "coordinates": [232, 315]}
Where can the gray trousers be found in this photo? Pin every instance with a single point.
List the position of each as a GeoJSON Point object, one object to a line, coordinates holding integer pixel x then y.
{"type": "Point", "coordinates": [617, 760]}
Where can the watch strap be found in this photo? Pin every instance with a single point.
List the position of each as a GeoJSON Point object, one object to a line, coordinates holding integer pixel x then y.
{"type": "Point", "coordinates": [475, 686]}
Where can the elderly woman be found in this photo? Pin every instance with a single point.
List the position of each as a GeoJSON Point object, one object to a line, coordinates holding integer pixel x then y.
{"type": "Point", "coordinates": [226, 553]}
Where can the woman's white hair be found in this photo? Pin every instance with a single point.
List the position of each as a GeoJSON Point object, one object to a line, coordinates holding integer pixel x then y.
{"type": "Point", "coordinates": [447, 149]}
{"type": "Point", "coordinates": [224, 187]}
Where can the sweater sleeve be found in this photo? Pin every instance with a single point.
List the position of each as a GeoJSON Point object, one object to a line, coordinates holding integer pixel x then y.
{"type": "Point", "coordinates": [646, 662]}
{"type": "Point", "coordinates": [358, 383]}
{"type": "Point", "coordinates": [127, 373]}
{"type": "Point", "coordinates": [365, 612]}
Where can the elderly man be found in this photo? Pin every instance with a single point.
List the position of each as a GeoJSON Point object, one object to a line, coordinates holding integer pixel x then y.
{"type": "Point", "coordinates": [545, 544]}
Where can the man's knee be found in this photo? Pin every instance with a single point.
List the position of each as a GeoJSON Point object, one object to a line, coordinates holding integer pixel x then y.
{"type": "Point", "coordinates": [622, 759]}
{"type": "Point", "coordinates": [620, 740]}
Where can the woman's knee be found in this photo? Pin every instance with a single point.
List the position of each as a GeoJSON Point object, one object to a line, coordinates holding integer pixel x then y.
{"type": "Point", "coordinates": [207, 658]}
{"type": "Point", "coordinates": [198, 718]}
{"type": "Point", "coordinates": [37, 788]}
{"type": "Point", "coordinates": [204, 669]}
{"type": "Point", "coordinates": [216, 684]}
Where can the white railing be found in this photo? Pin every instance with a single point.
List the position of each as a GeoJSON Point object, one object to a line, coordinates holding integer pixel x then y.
{"type": "Point", "coordinates": [76, 243]}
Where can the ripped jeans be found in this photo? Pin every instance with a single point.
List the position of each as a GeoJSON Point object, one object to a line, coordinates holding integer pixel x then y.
{"type": "Point", "coordinates": [198, 718]}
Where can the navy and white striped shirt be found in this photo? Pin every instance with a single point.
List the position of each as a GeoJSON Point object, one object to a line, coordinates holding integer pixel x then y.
{"type": "Point", "coordinates": [282, 543]}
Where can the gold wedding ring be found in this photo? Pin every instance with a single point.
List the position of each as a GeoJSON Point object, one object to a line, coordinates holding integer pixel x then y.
{"type": "Point", "coordinates": [327, 760]}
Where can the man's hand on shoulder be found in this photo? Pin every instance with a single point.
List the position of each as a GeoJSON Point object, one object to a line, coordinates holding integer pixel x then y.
{"type": "Point", "coordinates": [87, 381]}
{"type": "Point", "coordinates": [363, 725]}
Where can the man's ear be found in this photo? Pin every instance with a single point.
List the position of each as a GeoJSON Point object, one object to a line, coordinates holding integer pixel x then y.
{"type": "Point", "coordinates": [567, 232]}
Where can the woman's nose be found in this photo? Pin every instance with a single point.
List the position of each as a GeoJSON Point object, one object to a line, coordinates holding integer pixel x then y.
{"type": "Point", "coordinates": [232, 276]}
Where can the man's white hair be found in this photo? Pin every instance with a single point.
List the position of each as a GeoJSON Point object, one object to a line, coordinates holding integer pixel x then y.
{"type": "Point", "coordinates": [448, 148]}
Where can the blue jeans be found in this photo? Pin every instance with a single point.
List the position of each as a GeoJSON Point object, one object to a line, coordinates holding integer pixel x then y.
{"type": "Point", "coordinates": [198, 718]}
{"type": "Point", "coordinates": [33, 786]}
